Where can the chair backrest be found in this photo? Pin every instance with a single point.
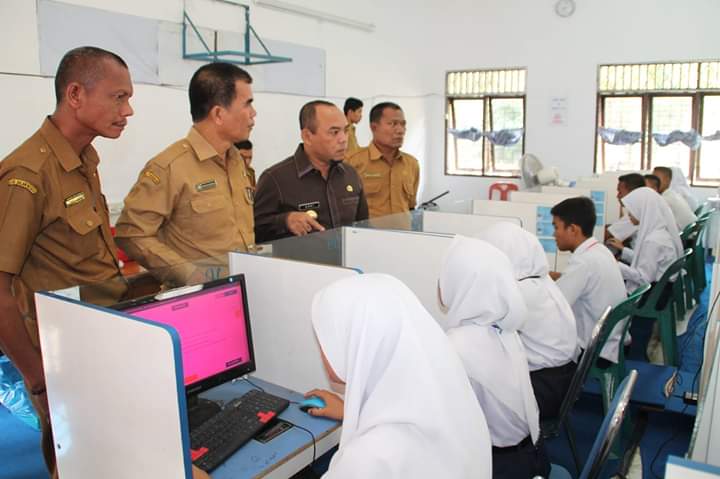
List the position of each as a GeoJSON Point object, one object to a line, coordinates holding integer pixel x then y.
{"type": "Point", "coordinates": [582, 370]}
{"type": "Point", "coordinates": [503, 188]}
{"type": "Point", "coordinates": [659, 288]}
{"type": "Point", "coordinates": [689, 234]}
{"type": "Point", "coordinates": [609, 429]}
{"type": "Point", "coordinates": [619, 312]}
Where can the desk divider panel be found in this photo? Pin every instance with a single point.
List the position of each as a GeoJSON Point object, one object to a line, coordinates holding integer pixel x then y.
{"type": "Point", "coordinates": [609, 185]}
{"type": "Point", "coordinates": [534, 218]}
{"type": "Point", "coordinates": [280, 294]}
{"type": "Point", "coordinates": [461, 224]}
{"type": "Point", "coordinates": [413, 258]}
{"type": "Point", "coordinates": [115, 390]}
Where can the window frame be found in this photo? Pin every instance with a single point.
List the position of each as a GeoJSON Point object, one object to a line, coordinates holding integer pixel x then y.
{"type": "Point", "coordinates": [488, 154]}
{"type": "Point", "coordinates": [697, 96]}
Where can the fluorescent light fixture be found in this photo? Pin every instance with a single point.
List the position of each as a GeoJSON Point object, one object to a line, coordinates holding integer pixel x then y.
{"type": "Point", "coordinates": [316, 14]}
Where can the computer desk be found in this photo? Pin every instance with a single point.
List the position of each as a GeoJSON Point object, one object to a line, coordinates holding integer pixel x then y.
{"type": "Point", "coordinates": [287, 453]}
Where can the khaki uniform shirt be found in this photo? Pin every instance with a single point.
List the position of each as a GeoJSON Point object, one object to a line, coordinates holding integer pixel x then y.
{"type": "Point", "coordinates": [390, 186]}
{"type": "Point", "coordinates": [352, 143]}
{"type": "Point", "coordinates": [188, 204]}
{"type": "Point", "coordinates": [54, 221]}
{"type": "Point", "coordinates": [295, 185]}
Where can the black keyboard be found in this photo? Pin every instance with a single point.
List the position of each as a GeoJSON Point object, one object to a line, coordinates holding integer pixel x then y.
{"type": "Point", "coordinates": [238, 421]}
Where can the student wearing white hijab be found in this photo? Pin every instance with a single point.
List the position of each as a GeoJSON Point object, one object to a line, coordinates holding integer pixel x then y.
{"type": "Point", "coordinates": [679, 184]}
{"type": "Point", "coordinates": [484, 312]}
{"type": "Point", "coordinates": [658, 242]}
{"type": "Point", "coordinates": [409, 410]}
{"type": "Point", "coordinates": [549, 332]}
{"type": "Point", "coordinates": [679, 206]}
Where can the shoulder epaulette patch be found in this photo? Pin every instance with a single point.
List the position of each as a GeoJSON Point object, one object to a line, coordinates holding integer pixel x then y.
{"type": "Point", "coordinates": [153, 177]}
{"type": "Point", "coordinates": [23, 184]}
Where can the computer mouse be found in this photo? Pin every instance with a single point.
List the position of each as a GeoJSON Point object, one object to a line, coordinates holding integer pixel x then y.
{"type": "Point", "coordinates": [310, 403]}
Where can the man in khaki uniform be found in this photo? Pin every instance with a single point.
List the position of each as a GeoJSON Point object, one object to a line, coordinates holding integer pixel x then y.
{"type": "Point", "coordinates": [353, 112]}
{"type": "Point", "coordinates": [390, 177]}
{"type": "Point", "coordinates": [54, 222]}
{"type": "Point", "coordinates": [195, 200]}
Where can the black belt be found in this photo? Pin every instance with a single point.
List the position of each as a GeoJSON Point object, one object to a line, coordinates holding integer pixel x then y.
{"type": "Point", "coordinates": [517, 447]}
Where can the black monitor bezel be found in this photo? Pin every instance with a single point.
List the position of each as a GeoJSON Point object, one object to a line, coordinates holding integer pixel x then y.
{"type": "Point", "coordinates": [225, 376]}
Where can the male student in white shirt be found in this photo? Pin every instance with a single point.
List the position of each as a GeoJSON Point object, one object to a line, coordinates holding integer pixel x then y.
{"type": "Point", "coordinates": [592, 280]}
{"type": "Point", "coordinates": [678, 205]}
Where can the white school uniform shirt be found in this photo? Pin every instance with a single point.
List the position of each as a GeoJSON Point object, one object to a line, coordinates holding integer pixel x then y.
{"type": "Point", "coordinates": [484, 312]}
{"type": "Point", "coordinates": [549, 332]}
{"type": "Point", "coordinates": [680, 209]}
{"type": "Point", "coordinates": [409, 408]}
{"type": "Point", "coordinates": [591, 282]}
{"type": "Point", "coordinates": [658, 242]}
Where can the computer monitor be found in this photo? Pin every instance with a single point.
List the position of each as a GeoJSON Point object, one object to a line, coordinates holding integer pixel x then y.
{"type": "Point", "coordinates": [213, 323]}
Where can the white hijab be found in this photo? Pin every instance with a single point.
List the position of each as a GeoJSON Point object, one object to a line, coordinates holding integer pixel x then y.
{"type": "Point", "coordinates": [680, 186]}
{"type": "Point", "coordinates": [409, 408]}
{"type": "Point", "coordinates": [544, 299]}
{"type": "Point", "coordinates": [654, 215]}
{"type": "Point", "coordinates": [478, 287]}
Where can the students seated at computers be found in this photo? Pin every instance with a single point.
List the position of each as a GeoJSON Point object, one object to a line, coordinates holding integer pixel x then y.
{"type": "Point", "coordinates": [592, 280]}
{"type": "Point", "coordinates": [658, 242]}
{"type": "Point", "coordinates": [409, 410]}
{"type": "Point", "coordinates": [548, 333]}
{"type": "Point", "coordinates": [485, 310]}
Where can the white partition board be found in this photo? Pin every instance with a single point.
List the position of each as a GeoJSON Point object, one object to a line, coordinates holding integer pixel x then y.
{"type": "Point", "coordinates": [609, 185]}
{"type": "Point", "coordinates": [549, 200]}
{"type": "Point", "coordinates": [280, 294]}
{"type": "Point", "coordinates": [413, 258]}
{"type": "Point", "coordinates": [680, 468]}
{"type": "Point", "coordinates": [462, 224]}
{"type": "Point", "coordinates": [529, 215]}
{"type": "Point", "coordinates": [115, 391]}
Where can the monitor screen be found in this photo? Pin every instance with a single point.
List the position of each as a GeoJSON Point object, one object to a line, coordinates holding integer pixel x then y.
{"type": "Point", "coordinates": [214, 330]}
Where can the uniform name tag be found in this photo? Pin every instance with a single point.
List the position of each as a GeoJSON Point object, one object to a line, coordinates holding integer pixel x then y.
{"type": "Point", "coordinates": [74, 199]}
{"type": "Point", "coordinates": [373, 175]}
{"type": "Point", "coordinates": [206, 185]}
{"type": "Point", "coordinates": [22, 184]}
{"type": "Point", "coordinates": [308, 206]}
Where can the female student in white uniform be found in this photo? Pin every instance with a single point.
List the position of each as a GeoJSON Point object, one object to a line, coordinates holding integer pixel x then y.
{"type": "Point", "coordinates": [658, 242]}
{"type": "Point", "coordinates": [484, 312]}
{"type": "Point", "coordinates": [549, 332]}
{"type": "Point", "coordinates": [409, 410]}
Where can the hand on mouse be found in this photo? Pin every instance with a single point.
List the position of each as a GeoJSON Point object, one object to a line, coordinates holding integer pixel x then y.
{"type": "Point", "coordinates": [334, 408]}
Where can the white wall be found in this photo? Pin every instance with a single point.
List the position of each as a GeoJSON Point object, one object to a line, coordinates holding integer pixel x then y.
{"type": "Point", "coordinates": [404, 59]}
{"type": "Point", "coordinates": [562, 55]}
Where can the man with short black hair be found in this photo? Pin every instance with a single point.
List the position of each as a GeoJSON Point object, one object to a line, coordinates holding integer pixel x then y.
{"type": "Point", "coordinates": [245, 148]}
{"type": "Point", "coordinates": [195, 200]}
{"type": "Point", "coordinates": [623, 229]}
{"type": "Point", "coordinates": [652, 181]}
{"type": "Point", "coordinates": [391, 177]}
{"type": "Point", "coordinates": [592, 280]}
{"type": "Point", "coordinates": [678, 205]}
{"type": "Point", "coordinates": [314, 189]}
{"type": "Point", "coordinates": [353, 109]}
{"type": "Point", "coordinates": [54, 224]}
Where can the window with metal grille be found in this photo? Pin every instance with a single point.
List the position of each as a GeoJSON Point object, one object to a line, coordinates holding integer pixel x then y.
{"type": "Point", "coordinates": [652, 101]}
{"type": "Point", "coordinates": [485, 122]}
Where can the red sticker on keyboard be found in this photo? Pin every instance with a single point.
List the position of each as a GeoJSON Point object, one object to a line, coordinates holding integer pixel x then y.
{"type": "Point", "coordinates": [196, 454]}
{"type": "Point", "coordinates": [265, 416]}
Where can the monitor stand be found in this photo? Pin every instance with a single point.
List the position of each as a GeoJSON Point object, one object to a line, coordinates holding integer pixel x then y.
{"type": "Point", "coordinates": [200, 410]}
